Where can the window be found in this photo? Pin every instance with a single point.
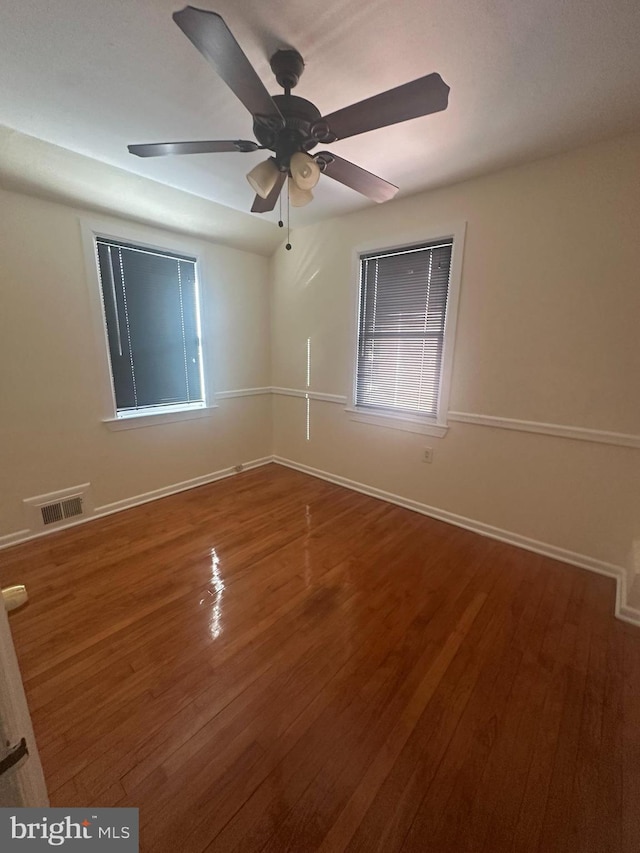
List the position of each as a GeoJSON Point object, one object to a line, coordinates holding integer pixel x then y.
{"type": "Point", "coordinates": [152, 315]}
{"type": "Point", "coordinates": [405, 331]}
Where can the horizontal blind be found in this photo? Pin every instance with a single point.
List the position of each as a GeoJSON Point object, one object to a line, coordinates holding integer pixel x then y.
{"type": "Point", "coordinates": [151, 312]}
{"type": "Point", "coordinates": [403, 306]}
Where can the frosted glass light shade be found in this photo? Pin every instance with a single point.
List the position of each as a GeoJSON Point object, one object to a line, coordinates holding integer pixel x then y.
{"type": "Point", "coordinates": [304, 170]}
{"type": "Point", "coordinates": [298, 197]}
{"type": "Point", "coordinates": [263, 177]}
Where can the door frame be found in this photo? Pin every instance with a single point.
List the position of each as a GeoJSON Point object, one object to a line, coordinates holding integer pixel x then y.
{"type": "Point", "coordinates": [16, 720]}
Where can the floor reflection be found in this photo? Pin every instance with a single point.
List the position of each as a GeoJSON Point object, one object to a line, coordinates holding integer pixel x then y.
{"type": "Point", "coordinates": [215, 592]}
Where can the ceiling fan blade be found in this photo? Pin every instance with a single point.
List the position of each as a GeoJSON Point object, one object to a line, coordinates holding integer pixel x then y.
{"type": "Point", "coordinates": [355, 177]}
{"type": "Point", "coordinates": [264, 205]}
{"type": "Point", "coordinates": [213, 38]}
{"type": "Point", "coordinates": [421, 97]}
{"type": "Point", "coordinates": [160, 149]}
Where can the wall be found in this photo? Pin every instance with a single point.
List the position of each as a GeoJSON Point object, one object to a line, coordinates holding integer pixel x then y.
{"type": "Point", "coordinates": [547, 333]}
{"type": "Point", "coordinates": [38, 168]}
{"type": "Point", "coordinates": [52, 379]}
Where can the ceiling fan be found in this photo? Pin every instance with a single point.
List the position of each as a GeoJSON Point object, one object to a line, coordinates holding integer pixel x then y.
{"type": "Point", "coordinates": [290, 126]}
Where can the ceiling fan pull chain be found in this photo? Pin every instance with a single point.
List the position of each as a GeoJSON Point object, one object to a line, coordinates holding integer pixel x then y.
{"type": "Point", "coordinates": [280, 222]}
{"type": "Point", "coordinates": [288, 246]}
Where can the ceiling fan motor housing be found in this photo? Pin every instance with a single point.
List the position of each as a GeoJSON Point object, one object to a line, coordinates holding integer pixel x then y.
{"type": "Point", "coordinates": [303, 125]}
{"type": "Point", "coordinates": [300, 117]}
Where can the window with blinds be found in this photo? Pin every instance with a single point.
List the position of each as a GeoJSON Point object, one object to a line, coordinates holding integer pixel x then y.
{"type": "Point", "coordinates": [151, 310]}
{"type": "Point", "coordinates": [403, 308]}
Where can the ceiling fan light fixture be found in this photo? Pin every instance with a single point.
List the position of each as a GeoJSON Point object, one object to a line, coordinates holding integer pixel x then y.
{"type": "Point", "coordinates": [298, 197]}
{"type": "Point", "coordinates": [304, 170]}
{"type": "Point", "coordinates": [262, 178]}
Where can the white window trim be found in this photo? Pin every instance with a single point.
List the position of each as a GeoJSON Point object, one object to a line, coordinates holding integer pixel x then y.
{"type": "Point", "coordinates": [437, 426]}
{"type": "Point", "coordinates": [408, 423]}
{"type": "Point", "coordinates": [160, 415]}
{"type": "Point", "coordinates": [130, 233]}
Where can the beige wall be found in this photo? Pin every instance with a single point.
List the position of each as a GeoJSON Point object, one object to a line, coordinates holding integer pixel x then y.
{"type": "Point", "coordinates": [52, 380]}
{"type": "Point", "coordinates": [547, 332]}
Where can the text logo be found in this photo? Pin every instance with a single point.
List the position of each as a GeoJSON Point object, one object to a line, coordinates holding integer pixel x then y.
{"type": "Point", "coordinates": [103, 830]}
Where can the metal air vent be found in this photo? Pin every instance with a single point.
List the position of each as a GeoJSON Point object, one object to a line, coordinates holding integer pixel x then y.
{"type": "Point", "coordinates": [51, 513]}
{"type": "Point", "coordinates": [56, 508]}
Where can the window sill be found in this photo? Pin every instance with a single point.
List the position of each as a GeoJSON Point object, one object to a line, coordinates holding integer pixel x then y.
{"type": "Point", "coordinates": [157, 418]}
{"type": "Point", "coordinates": [408, 423]}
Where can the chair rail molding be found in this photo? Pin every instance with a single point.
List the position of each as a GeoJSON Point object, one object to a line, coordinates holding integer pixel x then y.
{"type": "Point", "coordinates": [560, 430]}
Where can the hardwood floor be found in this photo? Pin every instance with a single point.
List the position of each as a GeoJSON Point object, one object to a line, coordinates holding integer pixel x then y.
{"type": "Point", "coordinates": [274, 663]}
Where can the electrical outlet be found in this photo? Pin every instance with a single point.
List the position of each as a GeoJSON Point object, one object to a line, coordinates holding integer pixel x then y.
{"type": "Point", "coordinates": [427, 454]}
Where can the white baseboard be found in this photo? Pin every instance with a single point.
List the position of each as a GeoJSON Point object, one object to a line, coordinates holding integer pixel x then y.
{"type": "Point", "coordinates": [622, 611]}
{"type": "Point", "coordinates": [108, 509]}
{"type": "Point", "coordinates": [14, 538]}
{"type": "Point", "coordinates": [185, 485]}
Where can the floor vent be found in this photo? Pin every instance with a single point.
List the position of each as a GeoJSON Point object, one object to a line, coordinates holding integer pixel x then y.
{"type": "Point", "coordinates": [61, 510]}
{"type": "Point", "coordinates": [59, 507]}
{"type": "Point", "coordinates": [51, 513]}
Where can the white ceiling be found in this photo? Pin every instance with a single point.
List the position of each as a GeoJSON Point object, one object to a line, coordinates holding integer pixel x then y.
{"type": "Point", "coordinates": [528, 78]}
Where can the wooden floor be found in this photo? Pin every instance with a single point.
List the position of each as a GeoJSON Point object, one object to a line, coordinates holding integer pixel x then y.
{"type": "Point", "coordinates": [274, 663]}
